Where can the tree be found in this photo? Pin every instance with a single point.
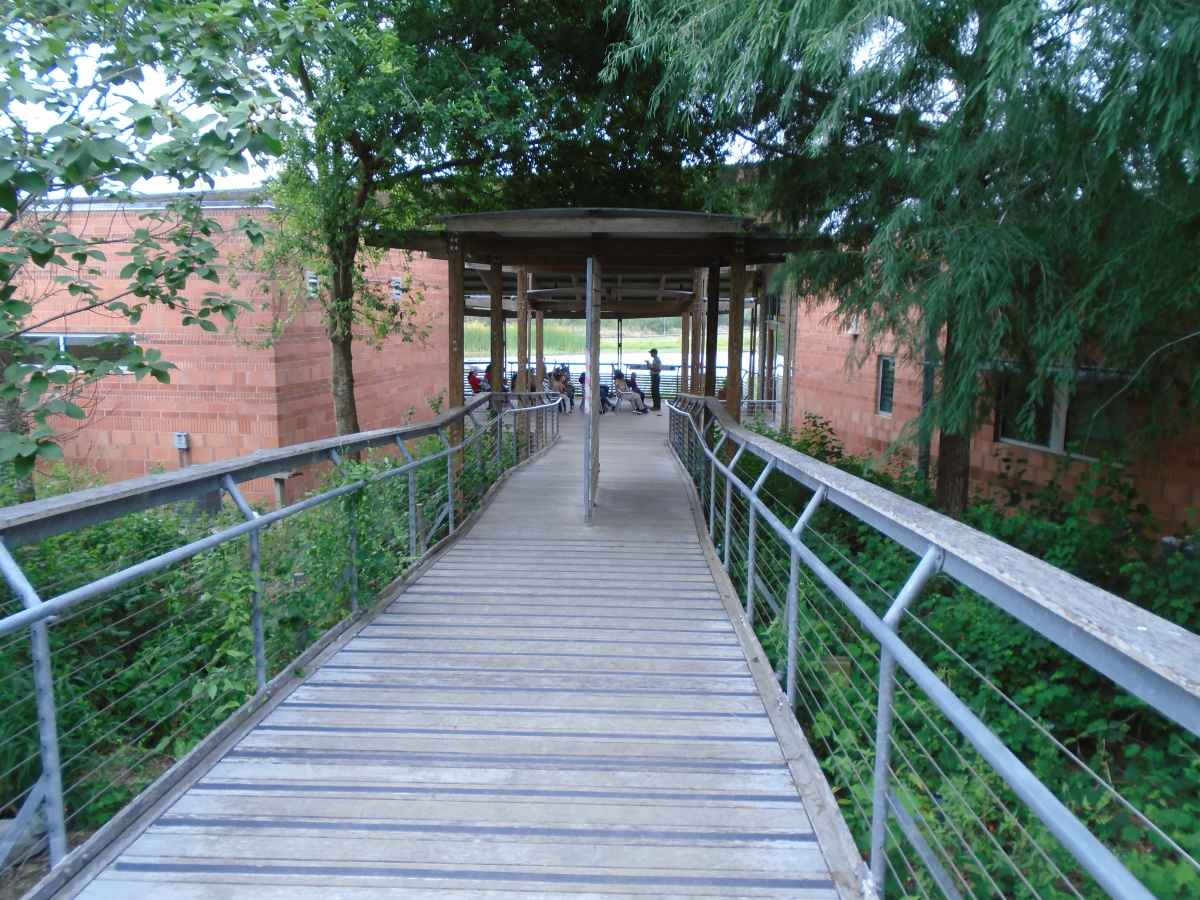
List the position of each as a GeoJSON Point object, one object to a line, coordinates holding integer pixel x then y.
{"type": "Point", "coordinates": [1015, 177]}
{"type": "Point", "coordinates": [76, 117]}
{"type": "Point", "coordinates": [408, 110]}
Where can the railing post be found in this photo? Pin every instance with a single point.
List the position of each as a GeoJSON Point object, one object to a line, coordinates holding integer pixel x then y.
{"type": "Point", "coordinates": [793, 591]}
{"type": "Point", "coordinates": [728, 502]}
{"type": "Point", "coordinates": [712, 488]}
{"type": "Point", "coordinates": [929, 565]}
{"type": "Point", "coordinates": [47, 711]}
{"type": "Point", "coordinates": [499, 410]}
{"type": "Point", "coordinates": [256, 610]}
{"type": "Point", "coordinates": [351, 506]}
{"type": "Point", "coordinates": [449, 481]}
{"type": "Point", "coordinates": [751, 538]}
{"type": "Point", "coordinates": [412, 498]}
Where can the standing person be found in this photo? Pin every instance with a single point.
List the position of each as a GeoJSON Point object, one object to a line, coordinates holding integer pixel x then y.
{"type": "Point", "coordinates": [655, 365]}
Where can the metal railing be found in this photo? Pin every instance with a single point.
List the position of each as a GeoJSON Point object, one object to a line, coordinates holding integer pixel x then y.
{"type": "Point", "coordinates": [116, 675]}
{"type": "Point", "coordinates": [761, 410]}
{"type": "Point", "coordinates": [954, 781]}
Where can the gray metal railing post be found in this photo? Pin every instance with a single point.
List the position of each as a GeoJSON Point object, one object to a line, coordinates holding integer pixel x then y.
{"type": "Point", "coordinates": [728, 504]}
{"type": "Point", "coordinates": [792, 594]}
{"type": "Point", "coordinates": [752, 538]}
{"type": "Point", "coordinates": [930, 563]}
{"type": "Point", "coordinates": [47, 711]}
{"type": "Point", "coordinates": [499, 437]}
{"type": "Point", "coordinates": [256, 610]}
{"type": "Point", "coordinates": [412, 498]}
{"type": "Point", "coordinates": [350, 504]}
{"type": "Point", "coordinates": [449, 480]}
{"type": "Point", "coordinates": [712, 489]}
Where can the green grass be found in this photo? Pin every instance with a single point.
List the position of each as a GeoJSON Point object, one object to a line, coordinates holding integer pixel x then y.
{"type": "Point", "coordinates": [566, 336]}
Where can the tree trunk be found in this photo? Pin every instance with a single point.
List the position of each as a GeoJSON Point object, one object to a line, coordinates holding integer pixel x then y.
{"type": "Point", "coordinates": [954, 450]}
{"type": "Point", "coordinates": [345, 408]}
{"type": "Point", "coordinates": [953, 473]}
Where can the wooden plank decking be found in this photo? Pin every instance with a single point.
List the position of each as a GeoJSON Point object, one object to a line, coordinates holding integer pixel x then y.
{"type": "Point", "coordinates": [552, 709]}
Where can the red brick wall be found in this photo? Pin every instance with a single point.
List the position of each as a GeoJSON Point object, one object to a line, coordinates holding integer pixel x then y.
{"type": "Point", "coordinates": [1167, 477]}
{"type": "Point", "coordinates": [231, 395]}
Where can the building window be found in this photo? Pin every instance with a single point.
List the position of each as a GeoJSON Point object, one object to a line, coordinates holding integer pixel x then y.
{"type": "Point", "coordinates": [102, 347]}
{"type": "Point", "coordinates": [885, 385]}
{"type": "Point", "coordinates": [1078, 421]}
{"type": "Point", "coordinates": [312, 282]}
{"type": "Point", "coordinates": [398, 288]}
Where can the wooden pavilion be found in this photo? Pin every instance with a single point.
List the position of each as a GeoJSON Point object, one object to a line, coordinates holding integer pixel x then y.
{"type": "Point", "coordinates": [604, 263]}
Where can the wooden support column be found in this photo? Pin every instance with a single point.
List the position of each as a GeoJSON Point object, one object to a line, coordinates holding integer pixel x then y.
{"type": "Point", "coordinates": [712, 312]}
{"type": "Point", "coordinates": [541, 349]}
{"type": "Point", "coordinates": [733, 361]}
{"type": "Point", "coordinates": [765, 365]}
{"type": "Point", "coordinates": [685, 349]}
{"type": "Point", "coordinates": [788, 323]}
{"type": "Point", "coordinates": [496, 287]}
{"type": "Point", "coordinates": [522, 381]}
{"type": "Point", "coordinates": [697, 384]}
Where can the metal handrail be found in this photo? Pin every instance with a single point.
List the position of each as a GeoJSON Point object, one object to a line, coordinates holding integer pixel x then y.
{"type": "Point", "coordinates": [30, 522]}
{"type": "Point", "coordinates": [1147, 655]}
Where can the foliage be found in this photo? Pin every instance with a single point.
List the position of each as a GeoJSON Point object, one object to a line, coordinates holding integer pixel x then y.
{"type": "Point", "coordinates": [145, 672]}
{"type": "Point", "coordinates": [987, 180]}
{"type": "Point", "coordinates": [973, 646]}
{"type": "Point", "coordinates": [404, 111]}
{"type": "Point", "coordinates": [78, 116]}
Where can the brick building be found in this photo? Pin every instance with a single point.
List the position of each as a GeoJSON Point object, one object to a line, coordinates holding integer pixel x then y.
{"type": "Point", "coordinates": [230, 394]}
{"type": "Point", "coordinates": [869, 405]}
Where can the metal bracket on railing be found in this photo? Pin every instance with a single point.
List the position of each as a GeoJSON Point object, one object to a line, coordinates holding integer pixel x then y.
{"type": "Point", "coordinates": [449, 479]}
{"type": "Point", "coordinates": [256, 611]}
{"type": "Point", "coordinates": [912, 831]}
{"type": "Point", "coordinates": [24, 831]}
{"type": "Point", "coordinates": [352, 532]}
{"type": "Point", "coordinates": [792, 614]}
{"type": "Point", "coordinates": [712, 489]}
{"type": "Point", "coordinates": [47, 714]}
{"type": "Point", "coordinates": [412, 497]}
{"type": "Point", "coordinates": [729, 476]}
{"type": "Point", "coordinates": [751, 539]}
{"type": "Point", "coordinates": [929, 565]}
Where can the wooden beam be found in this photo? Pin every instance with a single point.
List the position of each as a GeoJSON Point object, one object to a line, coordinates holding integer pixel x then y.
{"type": "Point", "coordinates": [495, 284]}
{"type": "Point", "coordinates": [712, 311]}
{"type": "Point", "coordinates": [733, 362]}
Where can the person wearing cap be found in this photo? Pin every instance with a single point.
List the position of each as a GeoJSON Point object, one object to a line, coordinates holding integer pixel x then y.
{"type": "Point", "coordinates": [655, 365]}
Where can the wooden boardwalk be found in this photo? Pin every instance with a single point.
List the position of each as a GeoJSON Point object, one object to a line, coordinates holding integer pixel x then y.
{"type": "Point", "coordinates": [551, 709]}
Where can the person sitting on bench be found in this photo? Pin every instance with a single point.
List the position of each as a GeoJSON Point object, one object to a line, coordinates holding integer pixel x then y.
{"type": "Point", "coordinates": [625, 392]}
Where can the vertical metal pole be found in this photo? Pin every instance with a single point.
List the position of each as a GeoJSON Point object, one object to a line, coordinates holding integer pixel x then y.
{"type": "Point", "coordinates": [349, 505]}
{"type": "Point", "coordinates": [752, 538]}
{"type": "Point", "coordinates": [930, 563]}
{"type": "Point", "coordinates": [712, 488]}
{"type": "Point", "coordinates": [47, 714]}
{"type": "Point", "coordinates": [352, 515]}
{"type": "Point", "coordinates": [500, 440]}
{"type": "Point", "coordinates": [256, 611]}
{"type": "Point", "coordinates": [728, 503]}
{"type": "Point", "coordinates": [412, 498]}
{"type": "Point", "coordinates": [793, 588]}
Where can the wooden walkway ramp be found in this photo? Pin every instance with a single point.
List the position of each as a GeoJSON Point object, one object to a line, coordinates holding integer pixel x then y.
{"type": "Point", "coordinates": [552, 709]}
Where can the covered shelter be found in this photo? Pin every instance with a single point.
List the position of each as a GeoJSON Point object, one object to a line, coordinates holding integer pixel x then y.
{"type": "Point", "coordinates": [602, 263]}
